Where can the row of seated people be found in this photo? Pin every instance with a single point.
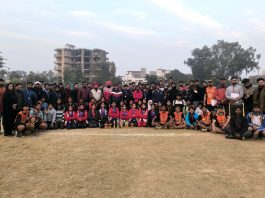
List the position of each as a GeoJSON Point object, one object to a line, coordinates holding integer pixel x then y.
{"type": "Point", "coordinates": [237, 126]}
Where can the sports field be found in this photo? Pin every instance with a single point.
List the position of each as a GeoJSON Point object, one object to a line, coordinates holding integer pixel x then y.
{"type": "Point", "coordinates": [135, 162]}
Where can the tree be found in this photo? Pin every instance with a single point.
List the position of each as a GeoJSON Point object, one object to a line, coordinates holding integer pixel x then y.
{"type": "Point", "coordinates": [178, 76]}
{"type": "Point", "coordinates": [223, 59]}
{"type": "Point", "coordinates": [151, 79]}
{"type": "Point", "coordinates": [103, 72]}
{"type": "Point", "coordinates": [18, 76]}
{"type": "Point", "coordinates": [72, 75]}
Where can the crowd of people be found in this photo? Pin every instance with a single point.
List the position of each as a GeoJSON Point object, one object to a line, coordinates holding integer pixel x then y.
{"type": "Point", "coordinates": [235, 109]}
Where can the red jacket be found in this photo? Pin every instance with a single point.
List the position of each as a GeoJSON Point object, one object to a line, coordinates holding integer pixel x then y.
{"type": "Point", "coordinates": [114, 114]}
{"type": "Point", "coordinates": [133, 113]}
{"type": "Point", "coordinates": [143, 114]}
{"type": "Point", "coordinates": [80, 117]}
{"type": "Point", "coordinates": [137, 95]}
{"type": "Point", "coordinates": [220, 94]}
{"type": "Point", "coordinates": [68, 118]}
{"type": "Point", "coordinates": [124, 115]}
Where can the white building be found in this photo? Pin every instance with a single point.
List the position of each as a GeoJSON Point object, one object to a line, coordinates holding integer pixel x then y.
{"type": "Point", "coordinates": [139, 76]}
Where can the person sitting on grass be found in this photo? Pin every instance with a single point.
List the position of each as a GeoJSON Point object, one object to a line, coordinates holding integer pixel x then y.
{"type": "Point", "coordinates": [22, 122]}
{"type": "Point", "coordinates": [220, 122]}
{"type": "Point", "coordinates": [256, 122]}
{"type": "Point", "coordinates": [69, 118]}
{"type": "Point", "coordinates": [81, 117]}
{"type": "Point", "coordinates": [114, 115]}
{"type": "Point", "coordinates": [133, 116]}
{"type": "Point", "coordinates": [178, 119]}
{"type": "Point", "coordinates": [124, 117]}
{"type": "Point", "coordinates": [143, 116]}
{"type": "Point", "coordinates": [51, 117]}
{"type": "Point", "coordinates": [239, 126]}
{"type": "Point", "coordinates": [163, 119]}
{"type": "Point", "coordinates": [152, 115]}
{"type": "Point", "coordinates": [205, 120]}
{"type": "Point", "coordinates": [191, 118]}
{"type": "Point", "coordinates": [103, 116]}
{"type": "Point", "coordinates": [93, 117]}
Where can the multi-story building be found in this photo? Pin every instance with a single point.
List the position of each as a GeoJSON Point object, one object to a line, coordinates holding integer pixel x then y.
{"type": "Point", "coordinates": [140, 76]}
{"type": "Point", "coordinates": [86, 59]}
{"type": "Point", "coordinates": [135, 76]}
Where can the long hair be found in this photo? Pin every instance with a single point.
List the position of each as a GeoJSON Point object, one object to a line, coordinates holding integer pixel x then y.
{"type": "Point", "coordinates": [7, 89]}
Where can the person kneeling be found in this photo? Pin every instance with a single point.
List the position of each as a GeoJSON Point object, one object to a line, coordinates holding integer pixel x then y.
{"type": "Point", "coordinates": [37, 118]}
{"type": "Point", "coordinates": [22, 122]}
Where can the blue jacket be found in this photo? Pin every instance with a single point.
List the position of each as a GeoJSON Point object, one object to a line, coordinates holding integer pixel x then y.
{"type": "Point", "coordinates": [158, 96]}
{"type": "Point", "coordinates": [189, 121]}
{"type": "Point", "coordinates": [29, 97]}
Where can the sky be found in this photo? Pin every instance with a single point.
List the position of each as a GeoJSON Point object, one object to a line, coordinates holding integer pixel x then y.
{"type": "Point", "coordinates": [136, 33]}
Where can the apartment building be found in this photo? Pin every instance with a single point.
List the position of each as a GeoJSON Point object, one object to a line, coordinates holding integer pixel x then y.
{"type": "Point", "coordinates": [72, 57]}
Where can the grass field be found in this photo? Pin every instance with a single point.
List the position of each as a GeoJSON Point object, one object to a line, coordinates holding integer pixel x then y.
{"type": "Point", "coordinates": [131, 163]}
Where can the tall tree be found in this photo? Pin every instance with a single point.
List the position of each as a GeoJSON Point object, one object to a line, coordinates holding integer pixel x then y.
{"type": "Point", "coordinates": [104, 71]}
{"type": "Point", "coordinates": [72, 75]}
{"type": "Point", "coordinates": [223, 59]}
{"type": "Point", "coordinates": [151, 79]}
{"type": "Point", "coordinates": [178, 76]}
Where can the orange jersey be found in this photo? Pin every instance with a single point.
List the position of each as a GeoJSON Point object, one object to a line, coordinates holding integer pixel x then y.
{"type": "Point", "coordinates": [221, 119]}
{"type": "Point", "coordinates": [178, 117]}
{"type": "Point", "coordinates": [206, 118]}
{"type": "Point", "coordinates": [211, 94]}
{"type": "Point", "coordinates": [163, 117]}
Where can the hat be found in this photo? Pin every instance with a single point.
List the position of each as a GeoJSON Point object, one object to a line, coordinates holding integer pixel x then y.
{"type": "Point", "coordinates": [37, 82]}
{"type": "Point", "coordinates": [210, 81]}
{"type": "Point", "coordinates": [95, 84]}
{"type": "Point", "coordinates": [109, 83]}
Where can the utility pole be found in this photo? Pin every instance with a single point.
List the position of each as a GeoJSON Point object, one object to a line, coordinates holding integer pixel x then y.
{"type": "Point", "coordinates": [258, 57]}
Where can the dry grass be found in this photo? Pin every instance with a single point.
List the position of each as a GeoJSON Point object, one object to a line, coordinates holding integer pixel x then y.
{"type": "Point", "coordinates": [152, 163]}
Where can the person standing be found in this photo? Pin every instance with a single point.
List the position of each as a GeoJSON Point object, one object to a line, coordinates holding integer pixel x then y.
{"type": "Point", "coordinates": [96, 93]}
{"type": "Point", "coordinates": [19, 95]}
{"type": "Point", "coordinates": [30, 97]}
{"type": "Point", "coordinates": [9, 109]}
{"type": "Point", "coordinates": [74, 93]}
{"type": "Point", "coordinates": [210, 96]}
{"type": "Point", "coordinates": [259, 94]}
{"type": "Point", "coordinates": [84, 93]}
{"type": "Point", "coordinates": [248, 95]}
{"type": "Point", "coordinates": [220, 96]}
{"type": "Point", "coordinates": [2, 91]}
{"type": "Point", "coordinates": [234, 94]}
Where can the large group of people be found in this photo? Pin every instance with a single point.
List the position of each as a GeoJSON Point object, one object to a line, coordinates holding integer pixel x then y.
{"type": "Point", "coordinates": [235, 109]}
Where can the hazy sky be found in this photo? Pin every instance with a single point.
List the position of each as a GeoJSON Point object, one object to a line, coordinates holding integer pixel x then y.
{"type": "Point", "coordinates": [136, 33]}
